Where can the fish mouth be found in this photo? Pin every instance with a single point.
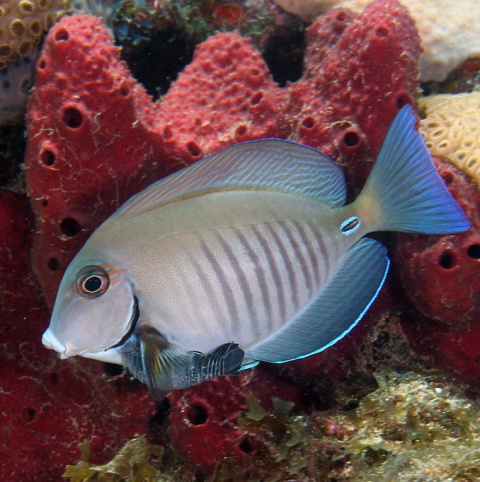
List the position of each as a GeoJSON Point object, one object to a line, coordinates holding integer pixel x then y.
{"type": "Point", "coordinates": [50, 341]}
{"type": "Point", "coordinates": [133, 324]}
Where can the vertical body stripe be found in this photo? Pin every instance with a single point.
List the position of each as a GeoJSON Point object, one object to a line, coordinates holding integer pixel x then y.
{"type": "Point", "coordinates": [242, 279]}
{"type": "Point", "coordinates": [312, 255]}
{"type": "Point", "coordinates": [227, 291]}
{"type": "Point", "coordinates": [212, 295]}
{"type": "Point", "coordinates": [292, 278]}
{"type": "Point", "coordinates": [259, 273]}
{"type": "Point", "coordinates": [297, 249]}
{"type": "Point", "coordinates": [321, 250]}
{"type": "Point", "coordinates": [272, 264]}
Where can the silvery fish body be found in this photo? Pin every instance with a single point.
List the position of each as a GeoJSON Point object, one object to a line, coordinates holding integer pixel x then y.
{"type": "Point", "coordinates": [249, 255]}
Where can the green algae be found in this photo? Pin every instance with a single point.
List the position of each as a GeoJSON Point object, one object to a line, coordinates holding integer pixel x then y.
{"type": "Point", "coordinates": [132, 463]}
{"type": "Point", "coordinates": [274, 446]}
{"type": "Point", "coordinates": [413, 427]}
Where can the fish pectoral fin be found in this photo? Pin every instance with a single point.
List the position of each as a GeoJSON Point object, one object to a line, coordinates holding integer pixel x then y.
{"type": "Point", "coordinates": [166, 367]}
{"type": "Point", "coordinates": [162, 363]}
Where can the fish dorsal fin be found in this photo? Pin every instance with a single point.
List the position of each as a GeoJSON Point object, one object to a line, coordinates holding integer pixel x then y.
{"type": "Point", "coordinates": [336, 309]}
{"type": "Point", "coordinates": [264, 164]}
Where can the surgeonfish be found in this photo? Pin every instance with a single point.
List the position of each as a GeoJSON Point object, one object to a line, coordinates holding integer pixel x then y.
{"type": "Point", "coordinates": [250, 255]}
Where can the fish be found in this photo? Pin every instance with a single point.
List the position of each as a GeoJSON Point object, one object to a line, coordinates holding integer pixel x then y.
{"type": "Point", "coordinates": [249, 255]}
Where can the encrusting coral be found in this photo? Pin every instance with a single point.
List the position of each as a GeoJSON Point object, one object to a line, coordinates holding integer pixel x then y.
{"type": "Point", "coordinates": [414, 427]}
{"type": "Point", "coordinates": [23, 24]}
{"type": "Point", "coordinates": [451, 129]}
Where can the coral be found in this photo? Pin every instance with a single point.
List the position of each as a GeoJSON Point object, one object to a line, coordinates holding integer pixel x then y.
{"type": "Point", "coordinates": [23, 24]}
{"type": "Point", "coordinates": [450, 31]}
{"type": "Point", "coordinates": [95, 137]}
{"type": "Point", "coordinates": [451, 129]}
{"type": "Point", "coordinates": [412, 427]}
{"type": "Point", "coordinates": [131, 463]}
{"type": "Point", "coordinates": [307, 10]}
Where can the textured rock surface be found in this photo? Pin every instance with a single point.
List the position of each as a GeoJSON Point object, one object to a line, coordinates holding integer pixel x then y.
{"type": "Point", "coordinates": [440, 273]}
{"type": "Point", "coordinates": [440, 276]}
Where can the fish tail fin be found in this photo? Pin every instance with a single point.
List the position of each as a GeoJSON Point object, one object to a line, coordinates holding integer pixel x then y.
{"type": "Point", "coordinates": [404, 191]}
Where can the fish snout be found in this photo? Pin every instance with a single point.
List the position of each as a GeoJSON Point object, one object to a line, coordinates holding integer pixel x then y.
{"type": "Point", "coordinates": [50, 341]}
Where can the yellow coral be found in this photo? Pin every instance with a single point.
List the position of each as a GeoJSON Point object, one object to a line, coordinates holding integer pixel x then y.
{"type": "Point", "coordinates": [451, 129]}
{"type": "Point", "coordinates": [23, 23]}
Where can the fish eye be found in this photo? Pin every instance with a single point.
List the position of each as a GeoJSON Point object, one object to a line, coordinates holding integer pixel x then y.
{"type": "Point", "coordinates": [92, 281]}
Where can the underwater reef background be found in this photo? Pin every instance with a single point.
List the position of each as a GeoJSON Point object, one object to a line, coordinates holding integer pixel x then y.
{"type": "Point", "coordinates": [396, 399]}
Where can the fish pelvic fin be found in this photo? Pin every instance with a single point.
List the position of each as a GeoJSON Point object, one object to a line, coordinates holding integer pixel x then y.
{"type": "Point", "coordinates": [165, 367]}
{"type": "Point", "coordinates": [404, 191]}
